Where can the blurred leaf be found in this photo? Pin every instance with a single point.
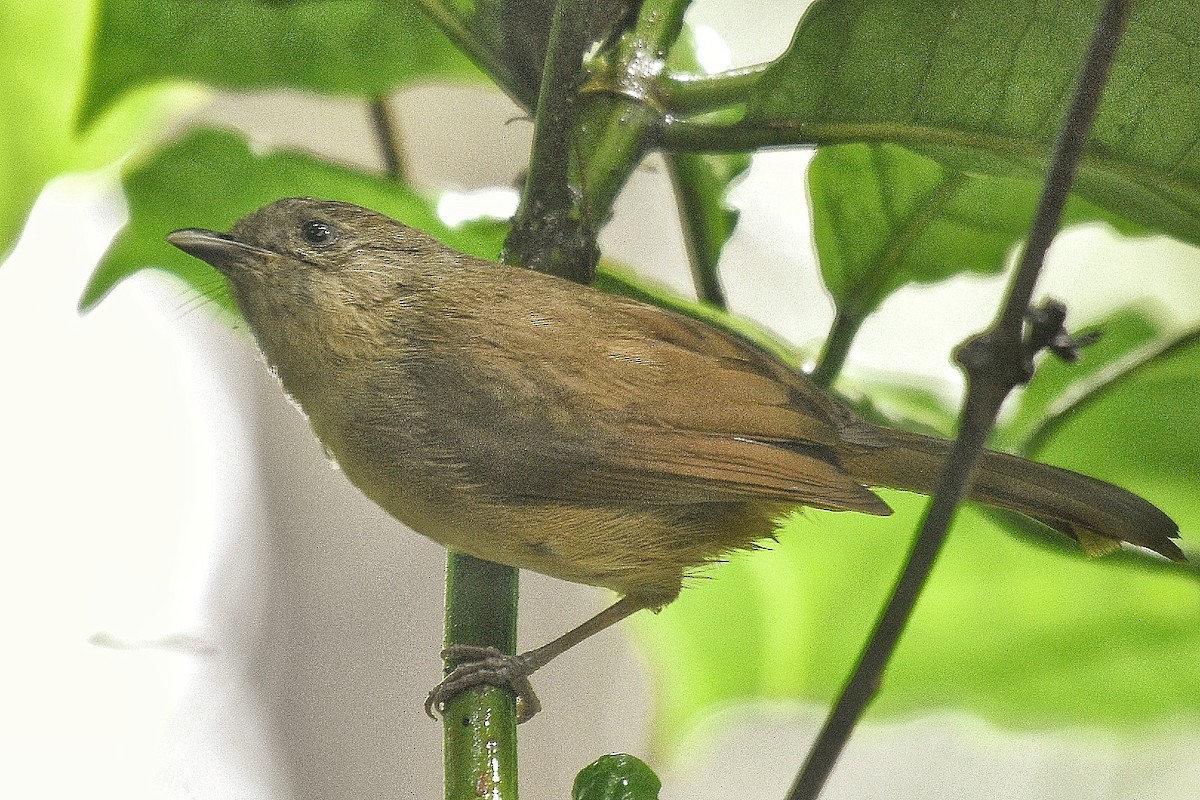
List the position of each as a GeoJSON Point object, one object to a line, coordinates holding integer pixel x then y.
{"type": "Point", "coordinates": [894, 400]}
{"type": "Point", "coordinates": [1140, 430]}
{"type": "Point", "coordinates": [616, 776]}
{"type": "Point", "coordinates": [613, 278]}
{"type": "Point", "coordinates": [38, 68]}
{"type": "Point", "coordinates": [982, 88]}
{"type": "Point", "coordinates": [41, 61]}
{"type": "Point", "coordinates": [1026, 637]}
{"type": "Point", "coordinates": [354, 47]}
{"type": "Point", "coordinates": [187, 185]}
{"type": "Point", "coordinates": [884, 217]}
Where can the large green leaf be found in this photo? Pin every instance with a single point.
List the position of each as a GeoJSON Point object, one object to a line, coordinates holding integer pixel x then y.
{"type": "Point", "coordinates": [356, 47]}
{"type": "Point", "coordinates": [1024, 636]}
{"type": "Point", "coordinates": [982, 87]}
{"type": "Point", "coordinates": [188, 185]}
{"type": "Point", "coordinates": [41, 63]}
{"type": "Point", "coordinates": [884, 217]}
{"type": "Point", "coordinates": [1026, 632]}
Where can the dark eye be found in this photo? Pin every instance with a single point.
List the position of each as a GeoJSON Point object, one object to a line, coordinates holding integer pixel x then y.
{"type": "Point", "coordinates": [316, 232]}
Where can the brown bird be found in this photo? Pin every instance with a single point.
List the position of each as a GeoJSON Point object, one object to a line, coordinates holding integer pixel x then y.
{"type": "Point", "coordinates": [534, 422]}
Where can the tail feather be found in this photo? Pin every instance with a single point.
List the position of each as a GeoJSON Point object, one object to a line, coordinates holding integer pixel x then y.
{"type": "Point", "coordinates": [1098, 515]}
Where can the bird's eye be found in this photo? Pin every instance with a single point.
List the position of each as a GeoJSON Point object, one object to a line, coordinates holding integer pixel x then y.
{"type": "Point", "coordinates": [316, 232]}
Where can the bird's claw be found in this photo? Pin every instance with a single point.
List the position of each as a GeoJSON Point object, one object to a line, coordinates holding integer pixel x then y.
{"type": "Point", "coordinates": [485, 666]}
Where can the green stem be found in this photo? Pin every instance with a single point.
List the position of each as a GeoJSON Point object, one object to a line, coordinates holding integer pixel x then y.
{"type": "Point", "coordinates": [709, 137]}
{"type": "Point", "coordinates": [627, 105]}
{"type": "Point", "coordinates": [551, 232]}
{"type": "Point", "coordinates": [479, 725]}
{"type": "Point", "coordinates": [687, 95]}
{"type": "Point", "coordinates": [612, 120]}
{"type": "Point", "coordinates": [837, 347]}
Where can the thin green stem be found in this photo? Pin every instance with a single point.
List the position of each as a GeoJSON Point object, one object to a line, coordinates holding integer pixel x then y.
{"type": "Point", "coordinates": [705, 221]}
{"type": "Point", "coordinates": [688, 95]}
{"type": "Point", "coordinates": [686, 136]}
{"type": "Point", "coordinates": [387, 135]}
{"type": "Point", "coordinates": [1022, 153]}
{"type": "Point", "coordinates": [837, 346]}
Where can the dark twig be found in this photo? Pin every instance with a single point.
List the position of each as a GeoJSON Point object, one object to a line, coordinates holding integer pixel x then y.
{"type": "Point", "coordinates": [387, 134]}
{"type": "Point", "coordinates": [995, 362]}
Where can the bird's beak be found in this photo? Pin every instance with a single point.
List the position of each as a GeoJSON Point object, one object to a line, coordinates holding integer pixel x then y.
{"type": "Point", "coordinates": [219, 249]}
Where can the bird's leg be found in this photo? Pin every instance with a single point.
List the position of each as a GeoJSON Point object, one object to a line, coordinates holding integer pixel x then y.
{"type": "Point", "coordinates": [486, 665]}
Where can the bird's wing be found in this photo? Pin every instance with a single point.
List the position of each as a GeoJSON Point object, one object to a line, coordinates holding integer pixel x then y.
{"type": "Point", "coordinates": [628, 401]}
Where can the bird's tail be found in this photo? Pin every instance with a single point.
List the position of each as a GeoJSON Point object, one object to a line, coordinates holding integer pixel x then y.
{"type": "Point", "coordinates": [1098, 515]}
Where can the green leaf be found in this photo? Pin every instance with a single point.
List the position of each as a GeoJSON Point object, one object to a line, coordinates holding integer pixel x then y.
{"type": "Point", "coordinates": [355, 47]}
{"type": "Point", "coordinates": [616, 776]}
{"type": "Point", "coordinates": [982, 87]}
{"type": "Point", "coordinates": [885, 217]}
{"type": "Point", "coordinates": [912, 406]}
{"type": "Point", "coordinates": [188, 185]}
{"type": "Point", "coordinates": [41, 63]}
{"type": "Point", "coordinates": [36, 49]}
{"type": "Point", "coordinates": [618, 280]}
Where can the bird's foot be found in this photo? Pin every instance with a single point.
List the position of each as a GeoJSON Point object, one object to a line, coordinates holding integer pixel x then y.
{"type": "Point", "coordinates": [485, 666]}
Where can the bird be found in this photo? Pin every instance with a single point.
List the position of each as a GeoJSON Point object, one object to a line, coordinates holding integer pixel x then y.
{"type": "Point", "coordinates": [531, 421]}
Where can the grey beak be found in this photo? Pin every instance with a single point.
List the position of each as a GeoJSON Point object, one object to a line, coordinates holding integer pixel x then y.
{"type": "Point", "coordinates": [219, 249]}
